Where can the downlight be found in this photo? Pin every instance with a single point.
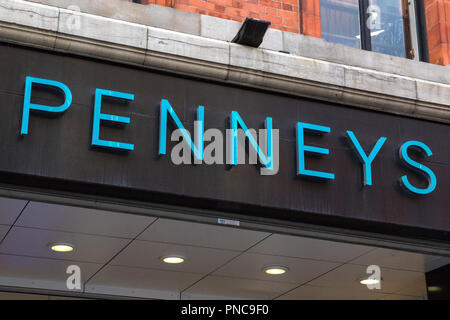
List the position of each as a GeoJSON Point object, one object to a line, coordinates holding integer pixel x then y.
{"type": "Point", "coordinates": [434, 289]}
{"type": "Point", "coordinates": [61, 247]}
{"type": "Point", "coordinates": [275, 270]}
{"type": "Point", "coordinates": [173, 259]}
{"type": "Point", "coordinates": [369, 281]}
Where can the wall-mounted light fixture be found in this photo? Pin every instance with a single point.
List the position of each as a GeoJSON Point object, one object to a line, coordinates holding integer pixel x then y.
{"type": "Point", "coordinates": [251, 32]}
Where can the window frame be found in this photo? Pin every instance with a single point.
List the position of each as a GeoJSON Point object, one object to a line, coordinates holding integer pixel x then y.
{"type": "Point", "coordinates": [366, 38]}
{"type": "Point", "coordinates": [421, 31]}
{"type": "Point", "coordinates": [414, 29]}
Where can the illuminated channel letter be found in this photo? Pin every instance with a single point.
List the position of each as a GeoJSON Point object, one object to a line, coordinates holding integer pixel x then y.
{"type": "Point", "coordinates": [28, 106]}
{"type": "Point", "coordinates": [366, 160]}
{"type": "Point", "coordinates": [266, 159]}
{"type": "Point", "coordinates": [417, 166]}
{"type": "Point", "coordinates": [99, 117]}
{"type": "Point", "coordinates": [166, 109]}
{"type": "Point", "coordinates": [302, 148]}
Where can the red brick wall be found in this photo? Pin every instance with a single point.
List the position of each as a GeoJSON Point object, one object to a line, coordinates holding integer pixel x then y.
{"type": "Point", "coordinates": [283, 14]}
{"type": "Point", "coordinates": [303, 16]}
{"type": "Point", "coordinates": [438, 28]}
{"type": "Point", "coordinates": [310, 18]}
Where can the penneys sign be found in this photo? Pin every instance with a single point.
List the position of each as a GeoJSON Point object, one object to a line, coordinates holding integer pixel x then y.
{"type": "Point", "coordinates": [266, 155]}
{"type": "Point", "coordinates": [95, 128]}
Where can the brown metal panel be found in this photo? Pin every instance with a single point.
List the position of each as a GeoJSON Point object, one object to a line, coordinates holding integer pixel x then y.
{"type": "Point", "coordinates": [57, 153]}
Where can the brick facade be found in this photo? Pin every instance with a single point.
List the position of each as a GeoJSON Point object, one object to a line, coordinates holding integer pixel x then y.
{"type": "Point", "coordinates": [310, 18]}
{"type": "Point", "coordinates": [283, 14]}
{"type": "Point", "coordinates": [303, 16]}
{"type": "Point", "coordinates": [438, 28]}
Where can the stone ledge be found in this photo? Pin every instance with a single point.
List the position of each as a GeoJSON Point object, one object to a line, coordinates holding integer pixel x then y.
{"type": "Point", "coordinates": [218, 60]}
{"type": "Point", "coordinates": [99, 28]}
{"type": "Point", "coordinates": [221, 29]}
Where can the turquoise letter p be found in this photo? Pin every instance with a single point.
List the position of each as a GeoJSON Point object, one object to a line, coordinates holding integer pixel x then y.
{"type": "Point", "coordinates": [28, 106]}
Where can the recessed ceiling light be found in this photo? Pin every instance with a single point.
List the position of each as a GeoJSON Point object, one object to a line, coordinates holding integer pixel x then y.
{"type": "Point", "coordinates": [61, 247]}
{"type": "Point", "coordinates": [275, 270]}
{"type": "Point", "coordinates": [173, 259]}
{"type": "Point", "coordinates": [369, 281]}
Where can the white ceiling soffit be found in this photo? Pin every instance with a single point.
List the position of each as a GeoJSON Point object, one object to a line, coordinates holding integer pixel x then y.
{"type": "Point", "coordinates": [10, 209]}
{"type": "Point", "coordinates": [82, 220]}
{"type": "Point", "coordinates": [120, 255]}
{"type": "Point", "coordinates": [35, 243]}
{"type": "Point", "coordinates": [40, 273]}
{"type": "Point", "coordinates": [197, 259]}
{"type": "Point", "coordinates": [250, 266]}
{"type": "Point", "coordinates": [189, 233]}
{"type": "Point", "coordinates": [401, 260]}
{"type": "Point", "coordinates": [3, 231]}
{"type": "Point", "coordinates": [141, 282]}
{"type": "Point", "coordinates": [346, 278]}
{"type": "Point", "coordinates": [214, 287]}
{"type": "Point", "coordinates": [291, 246]}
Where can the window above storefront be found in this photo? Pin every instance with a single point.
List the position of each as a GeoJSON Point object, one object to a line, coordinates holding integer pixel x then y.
{"type": "Point", "coordinates": [384, 26]}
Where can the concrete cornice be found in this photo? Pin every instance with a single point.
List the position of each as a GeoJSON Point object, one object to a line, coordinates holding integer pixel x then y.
{"type": "Point", "coordinates": [418, 90]}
